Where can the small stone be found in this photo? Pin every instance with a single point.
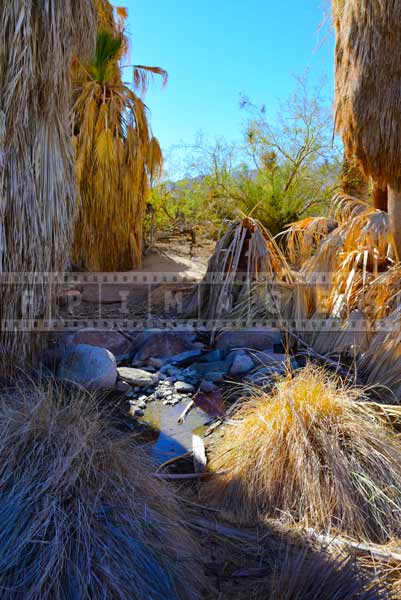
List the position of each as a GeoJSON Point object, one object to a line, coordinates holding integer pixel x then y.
{"type": "Point", "coordinates": [123, 387]}
{"type": "Point", "coordinates": [183, 387]}
{"type": "Point", "coordinates": [208, 386]}
{"type": "Point", "coordinates": [156, 362]}
{"type": "Point", "coordinates": [137, 377]}
{"type": "Point", "coordinates": [241, 362]}
{"type": "Point", "coordinates": [141, 404]}
{"type": "Point", "coordinates": [136, 412]}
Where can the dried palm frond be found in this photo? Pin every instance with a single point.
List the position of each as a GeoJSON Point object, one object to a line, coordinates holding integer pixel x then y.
{"type": "Point", "coordinates": [303, 237]}
{"type": "Point", "coordinates": [368, 85]}
{"type": "Point", "coordinates": [246, 254]}
{"type": "Point", "coordinates": [382, 296]}
{"type": "Point", "coordinates": [348, 260]}
{"type": "Point", "coordinates": [83, 517]}
{"type": "Point", "coordinates": [381, 363]}
{"type": "Point", "coordinates": [37, 179]}
{"type": "Point", "coordinates": [367, 94]}
{"type": "Point", "coordinates": [117, 158]}
{"type": "Point", "coordinates": [307, 453]}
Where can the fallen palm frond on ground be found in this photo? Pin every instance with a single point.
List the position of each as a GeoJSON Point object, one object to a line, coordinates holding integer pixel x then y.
{"type": "Point", "coordinates": [306, 453]}
{"type": "Point", "coordinates": [82, 517]}
{"type": "Point", "coordinates": [247, 253]}
{"type": "Point", "coordinates": [117, 157]}
{"type": "Point", "coordinates": [37, 183]}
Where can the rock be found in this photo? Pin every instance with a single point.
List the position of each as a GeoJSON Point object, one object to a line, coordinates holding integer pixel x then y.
{"type": "Point", "coordinates": [241, 362]}
{"type": "Point", "coordinates": [123, 387]}
{"type": "Point", "coordinates": [252, 339]}
{"type": "Point", "coordinates": [89, 366]}
{"type": "Point", "coordinates": [141, 404]}
{"type": "Point", "coordinates": [163, 344]}
{"type": "Point", "coordinates": [156, 362]}
{"type": "Point", "coordinates": [138, 377]}
{"type": "Point", "coordinates": [213, 356]}
{"type": "Point", "coordinates": [208, 386]}
{"type": "Point", "coordinates": [184, 356]}
{"type": "Point", "coordinates": [182, 387]}
{"type": "Point", "coordinates": [216, 376]}
{"type": "Point", "coordinates": [136, 412]}
{"type": "Point", "coordinates": [113, 341]}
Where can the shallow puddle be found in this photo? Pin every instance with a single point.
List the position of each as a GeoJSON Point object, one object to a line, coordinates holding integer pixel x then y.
{"type": "Point", "coordinates": [174, 439]}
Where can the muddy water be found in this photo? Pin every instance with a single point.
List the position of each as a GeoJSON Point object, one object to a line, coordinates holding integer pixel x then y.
{"type": "Point", "coordinates": [173, 439]}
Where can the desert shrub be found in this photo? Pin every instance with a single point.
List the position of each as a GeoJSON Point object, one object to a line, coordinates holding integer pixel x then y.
{"type": "Point", "coordinates": [306, 452]}
{"type": "Point", "coordinates": [81, 515]}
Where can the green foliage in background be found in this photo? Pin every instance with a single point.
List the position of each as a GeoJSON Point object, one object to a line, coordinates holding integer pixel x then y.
{"type": "Point", "coordinates": [281, 172]}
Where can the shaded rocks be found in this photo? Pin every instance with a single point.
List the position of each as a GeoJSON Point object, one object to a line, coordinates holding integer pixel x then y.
{"type": "Point", "coordinates": [163, 344]}
{"type": "Point", "coordinates": [252, 339]}
{"type": "Point", "coordinates": [89, 366]}
{"type": "Point", "coordinates": [138, 377]}
{"type": "Point", "coordinates": [113, 341]}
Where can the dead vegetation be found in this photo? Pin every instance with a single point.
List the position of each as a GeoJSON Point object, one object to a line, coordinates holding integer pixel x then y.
{"type": "Point", "coordinates": [82, 516]}
{"type": "Point", "coordinates": [306, 453]}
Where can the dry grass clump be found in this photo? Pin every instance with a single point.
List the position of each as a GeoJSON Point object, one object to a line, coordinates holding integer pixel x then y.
{"type": "Point", "coordinates": [310, 575]}
{"type": "Point", "coordinates": [81, 515]}
{"type": "Point", "coordinates": [306, 453]}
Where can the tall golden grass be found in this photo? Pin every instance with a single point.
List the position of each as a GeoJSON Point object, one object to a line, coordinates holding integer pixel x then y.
{"type": "Point", "coordinates": [82, 516]}
{"type": "Point", "coordinates": [306, 453]}
{"type": "Point", "coordinates": [117, 155]}
{"type": "Point", "coordinates": [37, 183]}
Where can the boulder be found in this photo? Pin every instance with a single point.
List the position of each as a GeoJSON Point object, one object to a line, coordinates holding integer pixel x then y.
{"type": "Point", "coordinates": [250, 339]}
{"type": "Point", "coordinates": [162, 344]}
{"type": "Point", "coordinates": [113, 341]}
{"type": "Point", "coordinates": [89, 366]}
{"type": "Point", "coordinates": [137, 377]}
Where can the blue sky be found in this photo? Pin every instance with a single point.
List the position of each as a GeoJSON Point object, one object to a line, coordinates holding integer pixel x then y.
{"type": "Point", "coordinates": [216, 49]}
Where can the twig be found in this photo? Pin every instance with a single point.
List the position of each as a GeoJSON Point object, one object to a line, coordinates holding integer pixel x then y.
{"type": "Point", "coordinates": [171, 461]}
{"type": "Point", "coordinates": [361, 548]}
{"type": "Point", "coordinates": [184, 413]}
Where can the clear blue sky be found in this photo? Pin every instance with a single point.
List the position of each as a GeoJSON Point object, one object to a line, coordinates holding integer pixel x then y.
{"type": "Point", "coordinates": [216, 49]}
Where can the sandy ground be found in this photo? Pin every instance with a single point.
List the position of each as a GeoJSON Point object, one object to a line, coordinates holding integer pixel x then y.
{"type": "Point", "coordinates": [159, 289]}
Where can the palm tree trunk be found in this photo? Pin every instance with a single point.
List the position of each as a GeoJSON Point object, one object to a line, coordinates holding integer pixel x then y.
{"type": "Point", "coordinates": [379, 195]}
{"type": "Point", "coordinates": [394, 216]}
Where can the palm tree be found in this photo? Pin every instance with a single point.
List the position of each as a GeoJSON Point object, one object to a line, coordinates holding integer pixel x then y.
{"type": "Point", "coordinates": [368, 94]}
{"type": "Point", "coordinates": [117, 157]}
{"type": "Point", "coordinates": [37, 182]}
